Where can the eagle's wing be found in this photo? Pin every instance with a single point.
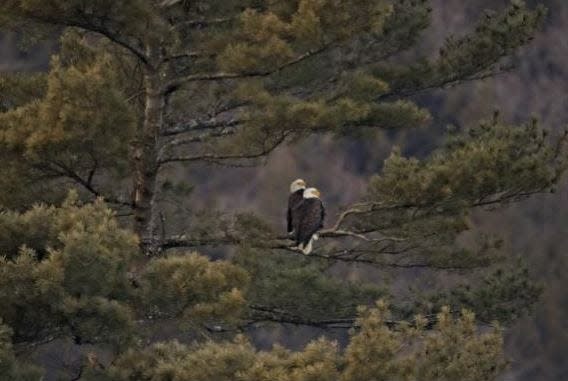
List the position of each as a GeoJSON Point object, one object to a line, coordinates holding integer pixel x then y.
{"type": "Point", "coordinates": [294, 200]}
{"type": "Point", "coordinates": [310, 220]}
{"type": "Point", "coordinates": [297, 213]}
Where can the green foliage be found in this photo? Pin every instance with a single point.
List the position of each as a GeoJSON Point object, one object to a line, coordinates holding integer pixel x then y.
{"type": "Point", "coordinates": [64, 126]}
{"type": "Point", "coordinates": [500, 159]}
{"type": "Point", "coordinates": [403, 26]}
{"type": "Point", "coordinates": [504, 295]}
{"type": "Point", "coordinates": [317, 362]}
{"type": "Point", "coordinates": [75, 262]}
{"type": "Point", "coordinates": [278, 117]}
{"type": "Point", "coordinates": [470, 56]}
{"type": "Point", "coordinates": [266, 39]}
{"type": "Point", "coordinates": [31, 228]}
{"type": "Point", "coordinates": [250, 228]}
{"type": "Point", "coordinates": [453, 350]}
{"type": "Point", "coordinates": [138, 84]}
{"type": "Point", "coordinates": [194, 287]}
{"type": "Point", "coordinates": [31, 294]}
{"type": "Point", "coordinates": [81, 14]}
{"type": "Point", "coordinates": [98, 319]}
{"type": "Point", "coordinates": [338, 89]}
{"type": "Point", "coordinates": [18, 89]}
{"type": "Point", "coordinates": [494, 36]}
{"type": "Point", "coordinates": [166, 361]}
{"type": "Point", "coordinates": [48, 132]}
{"type": "Point", "coordinates": [378, 342]}
{"type": "Point", "coordinates": [302, 287]}
{"type": "Point", "coordinates": [457, 352]}
{"type": "Point", "coordinates": [10, 368]}
{"type": "Point", "coordinates": [65, 271]}
{"type": "Point", "coordinates": [426, 204]}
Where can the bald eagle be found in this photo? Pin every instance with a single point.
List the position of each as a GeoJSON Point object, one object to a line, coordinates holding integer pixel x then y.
{"type": "Point", "coordinates": [310, 214]}
{"type": "Point", "coordinates": [296, 196]}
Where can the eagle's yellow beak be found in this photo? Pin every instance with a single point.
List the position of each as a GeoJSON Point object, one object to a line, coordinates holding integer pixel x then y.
{"type": "Point", "coordinates": [318, 193]}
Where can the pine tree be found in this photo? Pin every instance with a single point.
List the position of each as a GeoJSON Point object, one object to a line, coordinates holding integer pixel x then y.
{"type": "Point", "coordinates": [139, 87]}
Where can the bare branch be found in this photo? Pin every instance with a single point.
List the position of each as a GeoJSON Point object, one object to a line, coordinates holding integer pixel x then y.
{"type": "Point", "coordinates": [202, 23]}
{"type": "Point", "coordinates": [120, 41]}
{"type": "Point", "coordinates": [181, 56]}
{"type": "Point", "coordinates": [168, 3]}
{"type": "Point", "coordinates": [260, 313]}
{"type": "Point", "coordinates": [199, 125]}
{"type": "Point", "coordinates": [62, 170]}
{"type": "Point", "coordinates": [29, 346]}
{"type": "Point", "coordinates": [176, 83]}
{"type": "Point", "coordinates": [345, 214]}
{"type": "Point", "coordinates": [335, 233]}
{"type": "Point", "coordinates": [219, 158]}
{"type": "Point", "coordinates": [354, 256]}
{"type": "Point", "coordinates": [445, 83]}
{"type": "Point", "coordinates": [87, 25]}
{"type": "Point", "coordinates": [368, 207]}
{"type": "Point", "coordinates": [184, 242]}
{"type": "Point", "coordinates": [200, 138]}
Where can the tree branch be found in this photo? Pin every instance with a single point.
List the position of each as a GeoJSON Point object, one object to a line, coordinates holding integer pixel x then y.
{"type": "Point", "coordinates": [201, 23]}
{"type": "Point", "coordinates": [200, 138]}
{"type": "Point", "coordinates": [176, 83]}
{"type": "Point", "coordinates": [112, 36]}
{"type": "Point", "coordinates": [184, 242]}
{"type": "Point", "coordinates": [260, 313]}
{"type": "Point", "coordinates": [444, 83]}
{"type": "Point", "coordinates": [199, 125]}
{"type": "Point", "coordinates": [336, 233]}
{"type": "Point", "coordinates": [367, 255]}
{"type": "Point", "coordinates": [28, 346]}
{"type": "Point", "coordinates": [64, 171]}
{"type": "Point", "coordinates": [218, 159]}
{"type": "Point", "coordinates": [181, 56]}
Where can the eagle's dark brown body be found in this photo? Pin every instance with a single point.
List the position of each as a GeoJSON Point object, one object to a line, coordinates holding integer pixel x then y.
{"type": "Point", "coordinates": [294, 200]}
{"type": "Point", "coordinates": [309, 217]}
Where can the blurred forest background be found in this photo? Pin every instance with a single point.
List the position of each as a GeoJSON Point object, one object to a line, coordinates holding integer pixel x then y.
{"type": "Point", "coordinates": [536, 230]}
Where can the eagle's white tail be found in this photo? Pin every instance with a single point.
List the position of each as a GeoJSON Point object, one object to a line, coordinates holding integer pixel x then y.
{"type": "Point", "coordinates": [308, 248]}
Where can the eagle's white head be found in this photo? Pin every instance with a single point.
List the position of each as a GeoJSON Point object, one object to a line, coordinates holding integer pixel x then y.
{"type": "Point", "coordinates": [312, 193]}
{"type": "Point", "coordinates": [297, 185]}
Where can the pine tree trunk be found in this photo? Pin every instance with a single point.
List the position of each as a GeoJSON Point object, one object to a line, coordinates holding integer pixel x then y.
{"type": "Point", "coordinates": [146, 161]}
